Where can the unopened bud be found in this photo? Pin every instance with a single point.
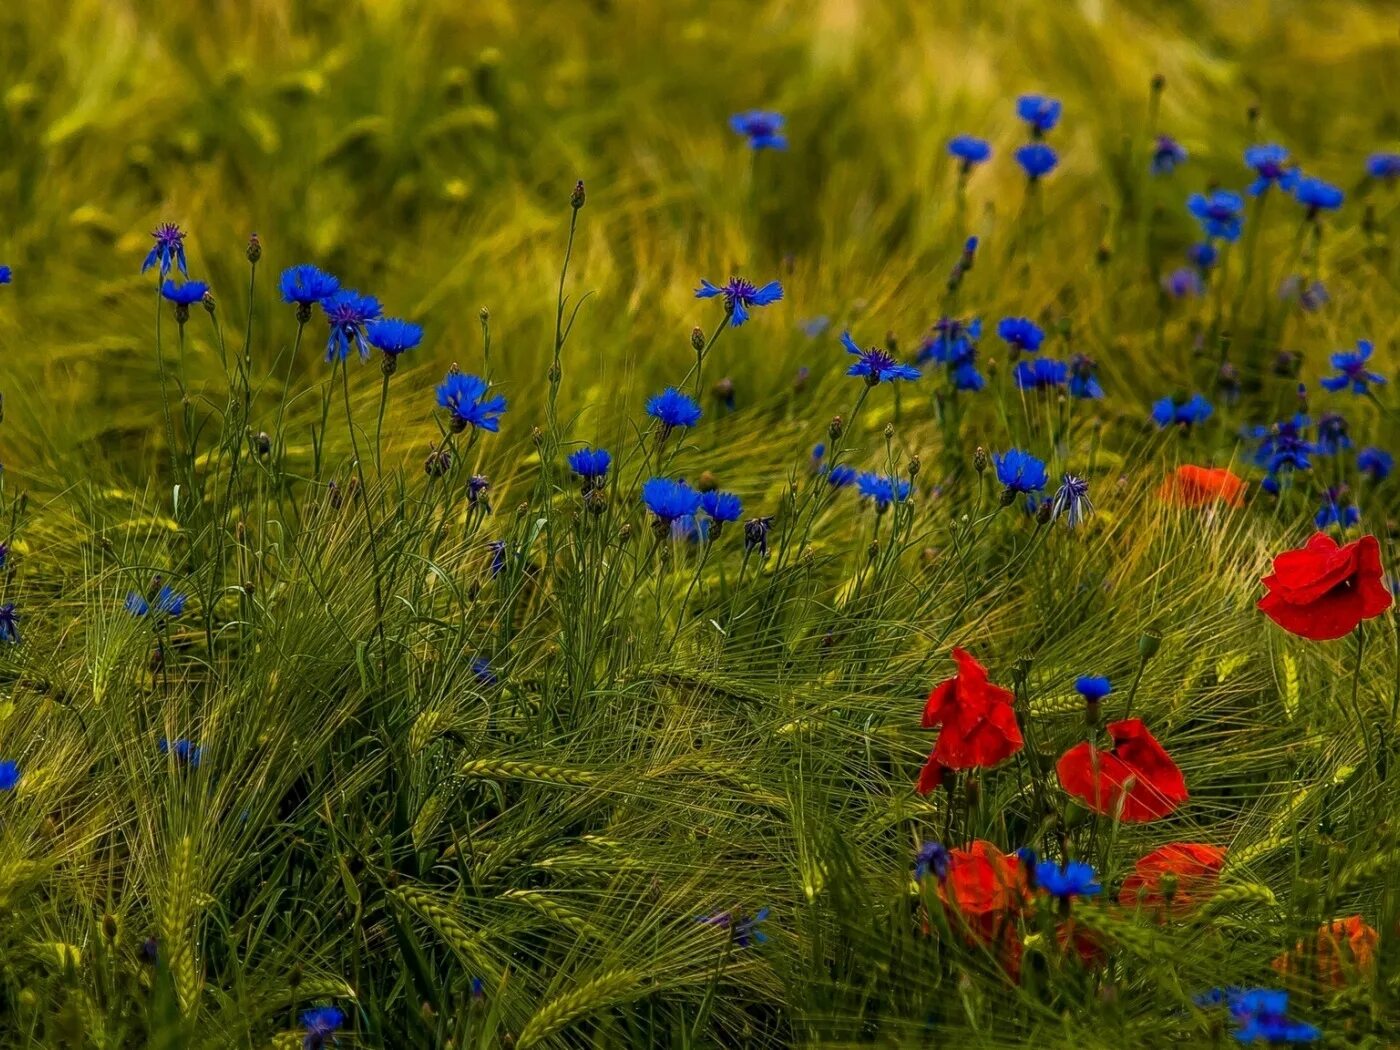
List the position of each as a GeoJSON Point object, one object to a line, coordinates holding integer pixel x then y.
{"type": "Point", "coordinates": [1043, 512]}
{"type": "Point", "coordinates": [835, 428]}
{"type": "Point", "coordinates": [1148, 645]}
{"type": "Point", "coordinates": [979, 460]}
{"type": "Point", "coordinates": [914, 464]}
{"type": "Point", "coordinates": [1008, 497]}
{"type": "Point", "coordinates": [889, 431]}
{"type": "Point", "coordinates": [1159, 83]}
{"type": "Point", "coordinates": [262, 443]}
{"type": "Point", "coordinates": [536, 435]}
{"type": "Point", "coordinates": [208, 301]}
{"type": "Point", "coordinates": [109, 926]}
{"type": "Point", "coordinates": [706, 482]}
{"type": "Point", "coordinates": [254, 250]}
{"type": "Point", "coordinates": [576, 198]}
{"type": "Point", "coordinates": [697, 339]}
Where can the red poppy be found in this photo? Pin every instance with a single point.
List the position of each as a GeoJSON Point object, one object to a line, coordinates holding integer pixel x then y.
{"type": "Point", "coordinates": [1190, 486]}
{"type": "Point", "coordinates": [1136, 774]}
{"type": "Point", "coordinates": [1323, 591]}
{"type": "Point", "coordinates": [1343, 948]}
{"type": "Point", "coordinates": [1194, 866]}
{"type": "Point", "coordinates": [1087, 945]}
{"type": "Point", "coordinates": [985, 887]}
{"type": "Point", "coordinates": [978, 723]}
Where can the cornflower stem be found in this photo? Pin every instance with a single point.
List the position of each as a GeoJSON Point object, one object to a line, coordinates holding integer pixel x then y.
{"type": "Point", "coordinates": [164, 393]}
{"type": "Point", "coordinates": [319, 442]}
{"type": "Point", "coordinates": [287, 381]}
{"type": "Point", "coordinates": [560, 334]}
{"type": "Point", "coordinates": [369, 524]}
{"type": "Point", "coordinates": [701, 354]}
{"type": "Point", "coordinates": [379, 420]}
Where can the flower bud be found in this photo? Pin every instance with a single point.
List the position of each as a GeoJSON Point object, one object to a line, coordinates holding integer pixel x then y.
{"type": "Point", "coordinates": [1043, 512]}
{"type": "Point", "coordinates": [914, 464]}
{"type": "Point", "coordinates": [697, 339]}
{"type": "Point", "coordinates": [835, 428]}
{"type": "Point", "coordinates": [254, 250]}
{"type": "Point", "coordinates": [889, 431]}
{"type": "Point", "coordinates": [979, 460]}
{"type": "Point", "coordinates": [576, 198]}
{"type": "Point", "coordinates": [706, 482]}
{"type": "Point", "coordinates": [208, 302]}
{"type": "Point", "coordinates": [262, 443]}
{"type": "Point", "coordinates": [484, 314]}
{"type": "Point", "coordinates": [1148, 645]}
{"type": "Point", "coordinates": [109, 926]}
{"type": "Point", "coordinates": [1159, 83]}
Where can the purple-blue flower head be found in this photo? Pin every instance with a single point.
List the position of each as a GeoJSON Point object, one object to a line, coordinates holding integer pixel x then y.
{"type": "Point", "coordinates": [743, 930]}
{"type": "Point", "coordinates": [1167, 153]}
{"type": "Point", "coordinates": [842, 476]}
{"type": "Point", "coordinates": [1041, 373]}
{"type": "Point", "coordinates": [465, 396]}
{"type": "Point", "coordinates": [482, 672]}
{"type": "Point", "coordinates": [1333, 512]}
{"type": "Point", "coordinates": [1092, 688]}
{"type": "Point", "coordinates": [1020, 472]}
{"type": "Point", "coordinates": [1082, 381]}
{"type": "Point", "coordinates": [966, 377]}
{"type": "Point", "coordinates": [9, 624]}
{"type": "Point", "coordinates": [1039, 111]}
{"type": "Point", "coordinates": [1036, 160]}
{"type": "Point", "coordinates": [1383, 166]}
{"type": "Point", "coordinates": [1375, 463]}
{"type": "Point", "coordinates": [6, 275]}
{"type": "Point", "coordinates": [1262, 1017]}
{"type": "Point", "coordinates": [306, 284]}
{"type": "Point", "coordinates": [167, 602]}
{"type": "Point", "coordinates": [1071, 501]}
{"type": "Point", "coordinates": [932, 859]}
{"type": "Point", "coordinates": [1202, 256]}
{"type": "Point", "coordinates": [669, 500]}
{"type": "Point", "coordinates": [591, 464]}
{"type": "Point", "coordinates": [1188, 412]}
{"type": "Point", "coordinates": [1332, 436]}
{"type": "Point", "coordinates": [1220, 215]}
{"type": "Point", "coordinates": [1284, 446]}
{"type": "Point", "coordinates": [883, 489]}
{"type": "Point", "coordinates": [394, 336]}
{"type": "Point", "coordinates": [347, 312]}
{"type": "Point", "coordinates": [876, 365]}
{"type": "Point", "coordinates": [721, 506]}
{"type": "Point", "coordinates": [1270, 164]}
{"type": "Point", "coordinates": [168, 251]}
{"type": "Point", "coordinates": [1021, 333]}
{"type": "Point", "coordinates": [1316, 195]}
{"type": "Point", "coordinates": [953, 342]}
{"type": "Point", "coordinates": [1183, 283]}
{"type": "Point", "coordinates": [184, 294]}
{"type": "Point", "coordinates": [9, 774]}
{"type": "Point", "coordinates": [321, 1025]}
{"type": "Point", "coordinates": [970, 150]}
{"type": "Point", "coordinates": [1352, 371]}
{"type": "Point", "coordinates": [740, 296]}
{"type": "Point", "coordinates": [185, 752]}
{"type": "Point", "coordinates": [1075, 879]}
{"type": "Point", "coordinates": [763, 128]}
{"type": "Point", "coordinates": [672, 409]}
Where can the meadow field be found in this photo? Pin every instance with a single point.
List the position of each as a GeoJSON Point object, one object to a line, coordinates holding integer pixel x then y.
{"type": "Point", "coordinates": [686, 525]}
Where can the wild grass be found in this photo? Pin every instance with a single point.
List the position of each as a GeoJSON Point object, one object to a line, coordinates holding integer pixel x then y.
{"type": "Point", "coordinates": [669, 730]}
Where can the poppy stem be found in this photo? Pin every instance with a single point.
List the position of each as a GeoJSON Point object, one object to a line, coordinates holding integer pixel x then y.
{"type": "Point", "coordinates": [1356, 687]}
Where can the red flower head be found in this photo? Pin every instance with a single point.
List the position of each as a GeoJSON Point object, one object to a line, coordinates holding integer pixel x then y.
{"type": "Point", "coordinates": [1190, 486]}
{"type": "Point", "coordinates": [1136, 774]}
{"type": "Point", "coordinates": [1195, 867]}
{"type": "Point", "coordinates": [985, 887]}
{"type": "Point", "coordinates": [1344, 948]}
{"type": "Point", "coordinates": [978, 723]}
{"type": "Point", "coordinates": [1322, 591]}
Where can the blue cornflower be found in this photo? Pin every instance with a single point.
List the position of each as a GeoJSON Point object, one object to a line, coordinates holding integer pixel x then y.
{"type": "Point", "coordinates": [740, 296]}
{"type": "Point", "coordinates": [1311, 295]}
{"type": "Point", "coordinates": [670, 500]}
{"type": "Point", "coordinates": [876, 365]}
{"type": "Point", "coordinates": [763, 129]}
{"type": "Point", "coordinates": [347, 312]}
{"type": "Point", "coordinates": [477, 485]}
{"type": "Point", "coordinates": [1075, 879]}
{"type": "Point", "coordinates": [9, 624]}
{"type": "Point", "coordinates": [1284, 446]}
{"type": "Point", "coordinates": [168, 251]}
{"type": "Point", "coordinates": [394, 336]}
{"type": "Point", "coordinates": [4, 554]}
{"type": "Point", "coordinates": [321, 1025]}
{"type": "Point", "coordinates": [1020, 472]}
{"type": "Point", "coordinates": [1039, 111]}
{"type": "Point", "coordinates": [1072, 501]}
{"type": "Point", "coordinates": [1316, 195]}
{"type": "Point", "coordinates": [465, 397]}
{"type": "Point", "coordinates": [498, 551]}
{"type": "Point", "coordinates": [954, 341]}
{"type": "Point", "coordinates": [9, 774]}
{"type": "Point", "coordinates": [167, 603]}
{"type": "Point", "coordinates": [6, 275]}
{"type": "Point", "coordinates": [1183, 283]}
{"type": "Point", "coordinates": [1027, 858]}
{"type": "Point", "coordinates": [1167, 153]}
{"type": "Point", "coordinates": [672, 409]}
{"type": "Point", "coordinates": [307, 284]}
{"type": "Point", "coordinates": [818, 454]}
{"type": "Point", "coordinates": [1375, 463]}
{"type": "Point", "coordinates": [842, 476]}
{"type": "Point", "coordinates": [743, 929]}
{"type": "Point", "coordinates": [966, 377]}
{"type": "Point", "coordinates": [1333, 513]}
{"type": "Point", "coordinates": [1022, 333]}
{"type": "Point", "coordinates": [1220, 215]}
{"type": "Point", "coordinates": [883, 489]}
{"type": "Point", "coordinates": [692, 528]}
{"type": "Point", "coordinates": [1041, 373]}
{"type": "Point", "coordinates": [1082, 383]}
{"type": "Point", "coordinates": [815, 326]}
{"type": "Point", "coordinates": [970, 150]}
{"type": "Point", "coordinates": [932, 859]}
{"type": "Point", "coordinates": [1202, 256]}
{"type": "Point", "coordinates": [1262, 1016]}
{"type": "Point", "coordinates": [184, 294]}
{"type": "Point", "coordinates": [186, 752]}
{"type": "Point", "coordinates": [1332, 436]}
{"type": "Point", "coordinates": [1036, 160]}
{"type": "Point", "coordinates": [1383, 166]}
{"type": "Point", "coordinates": [478, 989]}
{"type": "Point", "coordinates": [1270, 164]}
{"type": "Point", "coordinates": [1092, 688]}
{"type": "Point", "coordinates": [591, 464]}
{"type": "Point", "coordinates": [1352, 371]}
{"type": "Point", "coordinates": [481, 670]}
{"type": "Point", "coordinates": [1168, 411]}
{"type": "Point", "coordinates": [721, 506]}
